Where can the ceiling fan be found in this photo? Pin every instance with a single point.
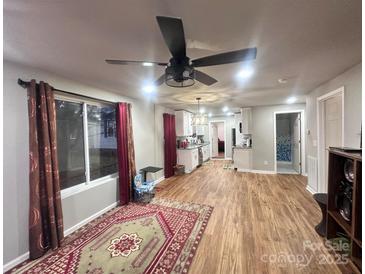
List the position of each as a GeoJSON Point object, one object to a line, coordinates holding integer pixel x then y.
{"type": "Point", "coordinates": [180, 70]}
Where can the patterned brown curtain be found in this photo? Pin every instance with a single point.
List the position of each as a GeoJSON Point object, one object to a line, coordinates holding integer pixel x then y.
{"type": "Point", "coordinates": [45, 211]}
{"type": "Point", "coordinates": [131, 154]}
{"type": "Point", "coordinates": [126, 158]}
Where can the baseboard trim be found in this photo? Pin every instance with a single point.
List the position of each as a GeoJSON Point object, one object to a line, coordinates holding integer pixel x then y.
{"type": "Point", "coordinates": [243, 170]}
{"type": "Point", "coordinates": [256, 171]}
{"type": "Point", "coordinates": [67, 232]}
{"type": "Point", "coordinates": [284, 162]}
{"type": "Point", "coordinates": [221, 159]}
{"type": "Point", "coordinates": [15, 262]}
{"type": "Point", "coordinates": [263, 171]}
{"type": "Point", "coordinates": [288, 173]}
{"type": "Point", "coordinates": [310, 190]}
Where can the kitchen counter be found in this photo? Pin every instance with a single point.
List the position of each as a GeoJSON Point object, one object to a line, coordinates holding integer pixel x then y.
{"type": "Point", "coordinates": [194, 146]}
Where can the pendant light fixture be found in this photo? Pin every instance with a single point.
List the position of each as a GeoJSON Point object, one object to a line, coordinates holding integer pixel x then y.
{"type": "Point", "coordinates": [199, 119]}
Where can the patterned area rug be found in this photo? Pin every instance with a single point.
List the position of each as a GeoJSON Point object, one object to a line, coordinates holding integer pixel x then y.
{"type": "Point", "coordinates": [160, 237]}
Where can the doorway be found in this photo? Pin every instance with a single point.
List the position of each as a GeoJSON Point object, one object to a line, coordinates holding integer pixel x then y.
{"type": "Point", "coordinates": [217, 133]}
{"type": "Point", "coordinates": [330, 114]}
{"type": "Point", "coordinates": [288, 142]}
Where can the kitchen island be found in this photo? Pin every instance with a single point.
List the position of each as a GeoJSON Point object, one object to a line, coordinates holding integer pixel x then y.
{"type": "Point", "coordinates": [242, 158]}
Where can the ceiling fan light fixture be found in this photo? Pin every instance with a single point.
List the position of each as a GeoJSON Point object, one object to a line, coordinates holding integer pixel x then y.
{"type": "Point", "coordinates": [180, 70]}
{"type": "Point", "coordinates": [179, 78]}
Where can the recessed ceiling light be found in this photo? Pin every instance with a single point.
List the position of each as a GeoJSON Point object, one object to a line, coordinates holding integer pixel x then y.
{"type": "Point", "coordinates": [225, 109]}
{"type": "Point", "coordinates": [245, 73]}
{"type": "Point", "coordinates": [147, 64]}
{"type": "Point", "coordinates": [282, 81]}
{"type": "Point", "coordinates": [210, 114]}
{"type": "Point", "coordinates": [291, 100]}
{"type": "Point", "coordinates": [149, 88]}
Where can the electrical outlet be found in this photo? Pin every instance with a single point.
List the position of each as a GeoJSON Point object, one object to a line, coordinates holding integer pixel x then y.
{"type": "Point", "coordinates": [266, 163]}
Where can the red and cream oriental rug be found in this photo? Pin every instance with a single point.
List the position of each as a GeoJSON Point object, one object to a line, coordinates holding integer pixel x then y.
{"type": "Point", "coordinates": [159, 237]}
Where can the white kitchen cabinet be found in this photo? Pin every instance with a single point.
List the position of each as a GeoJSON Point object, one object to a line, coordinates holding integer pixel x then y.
{"type": "Point", "coordinates": [189, 158]}
{"type": "Point", "coordinates": [206, 153]}
{"type": "Point", "coordinates": [201, 130]}
{"type": "Point", "coordinates": [195, 158]}
{"type": "Point", "coordinates": [246, 120]}
{"type": "Point", "coordinates": [183, 121]}
{"type": "Point", "coordinates": [238, 127]}
{"type": "Point", "coordinates": [242, 159]}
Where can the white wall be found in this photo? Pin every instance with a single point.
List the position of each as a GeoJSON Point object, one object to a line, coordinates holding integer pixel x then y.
{"type": "Point", "coordinates": [351, 80]}
{"type": "Point", "coordinates": [263, 134]}
{"type": "Point", "coordinates": [147, 125]}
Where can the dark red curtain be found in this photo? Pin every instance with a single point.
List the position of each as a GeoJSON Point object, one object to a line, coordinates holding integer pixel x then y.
{"type": "Point", "coordinates": [170, 144]}
{"type": "Point", "coordinates": [126, 158]}
{"type": "Point", "coordinates": [45, 210]}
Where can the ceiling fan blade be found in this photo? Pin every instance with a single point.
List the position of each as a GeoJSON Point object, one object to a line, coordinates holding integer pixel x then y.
{"type": "Point", "coordinates": [172, 30]}
{"type": "Point", "coordinates": [160, 80]}
{"type": "Point", "coordinates": [226, 58]}
{"type": "Point", "coordinates": [204, 78]}
{"type": "Point", "coordinates": [128, 62]}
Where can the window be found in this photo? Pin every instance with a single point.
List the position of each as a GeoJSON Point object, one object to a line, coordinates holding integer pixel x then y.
{"type": "Point", "coordinates": [70, 143]}
{"type": "Point", "coordinates": [85, 153]}
{"type": "Point", "coordinates": [102, 141]}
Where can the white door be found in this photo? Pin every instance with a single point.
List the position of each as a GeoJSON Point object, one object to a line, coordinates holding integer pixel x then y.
{"type": "Point", "coordinates": [297, 144]}
{"type": "Point", "coordinates": [332, 127]}
{"type": "Point", "coordinates": [214, 141]}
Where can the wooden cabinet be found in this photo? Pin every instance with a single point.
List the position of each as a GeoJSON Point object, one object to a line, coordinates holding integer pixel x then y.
{"type": "Point", "coordinates": [189, 158]}
{"type": "Point", "coordinates": [183, 120]}
{"type": "Point", "coordinates": [246, 121]}
{"type": "Point", "coordinates": [336, 218]}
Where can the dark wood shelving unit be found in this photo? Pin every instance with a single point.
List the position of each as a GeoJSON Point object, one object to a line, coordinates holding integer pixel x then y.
{"type": "Point", "coordinates": [335, 222]}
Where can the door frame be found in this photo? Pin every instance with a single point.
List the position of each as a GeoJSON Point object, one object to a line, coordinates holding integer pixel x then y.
{"type": "Point", "coordinates": [225, 137]}
{"type": "Point", "coordinates": [302, 139]}
{"type": "Point", "coordinates": [321, 184]}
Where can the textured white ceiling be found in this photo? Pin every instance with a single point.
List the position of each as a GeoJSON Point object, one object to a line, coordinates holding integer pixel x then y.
{"type": "Point", "coordinates": [306, 41]}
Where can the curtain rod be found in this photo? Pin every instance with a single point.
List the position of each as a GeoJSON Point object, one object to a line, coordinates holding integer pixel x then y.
{"type": "Point", "coordinates": [25, 84]}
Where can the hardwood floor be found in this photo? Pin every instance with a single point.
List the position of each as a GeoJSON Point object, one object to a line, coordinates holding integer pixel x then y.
{"type": "Point", "coordinates": [254, 216]}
